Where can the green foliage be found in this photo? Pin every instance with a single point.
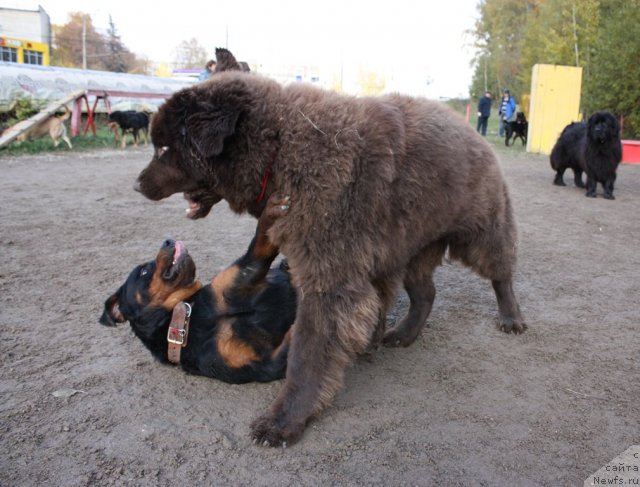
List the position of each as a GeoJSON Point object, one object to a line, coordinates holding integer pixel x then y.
{"type": "Point", "coordinates": [560, 32]}
{"type": "Point", "coordinates": [22, 108]}
{"type": "Point", "coordinates": [459, 105]}
{"type": "Point", "coordinates": [614, 81]}
{"type": "Point", "coordinates": [119, 58]}
{"type": "Point", "coordinates": [601, 36]}
{"type": "Point", "coordinates": [498, 34]}
{"type": "Point", "coordinates": [103, 139]}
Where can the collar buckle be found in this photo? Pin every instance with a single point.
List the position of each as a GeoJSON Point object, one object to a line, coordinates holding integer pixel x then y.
{"type": "Point", "coordinates": [178, 330]}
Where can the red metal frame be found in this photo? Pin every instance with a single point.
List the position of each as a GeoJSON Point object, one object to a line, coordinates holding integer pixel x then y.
{"type": "Point", "coordinates": [101, 95]}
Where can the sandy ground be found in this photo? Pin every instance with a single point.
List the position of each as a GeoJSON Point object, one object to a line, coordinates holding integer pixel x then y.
{"type": "Point", "coordinates": [82, 404]}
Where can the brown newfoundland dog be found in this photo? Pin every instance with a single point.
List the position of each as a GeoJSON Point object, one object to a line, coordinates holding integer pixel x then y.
{"type": "Point", "coordinates": [593, 148]}
{"type": "Point", "coordinates": [380, 189]}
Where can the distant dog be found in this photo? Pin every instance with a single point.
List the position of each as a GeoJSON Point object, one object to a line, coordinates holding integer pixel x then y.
{"type": "Point", "coordinates": [131, 122]}
{"type": "Point", "coordinates": [52, 125]}
{"type": "Point", "coordinates": [516, 129]}
{"type": "Point", "coordinates": [234, 329]}
{"type": "Point", "coordinates": [593, 148]}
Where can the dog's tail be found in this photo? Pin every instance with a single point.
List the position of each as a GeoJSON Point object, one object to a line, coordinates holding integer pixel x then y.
{"type": "Point", "coordinates": [66, 113]}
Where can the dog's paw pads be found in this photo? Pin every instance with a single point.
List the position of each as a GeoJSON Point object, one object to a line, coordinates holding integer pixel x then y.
{"type": "Point", "coordinates": [268, 431]}
{"type": "Point", "coordinates": [511, 326]}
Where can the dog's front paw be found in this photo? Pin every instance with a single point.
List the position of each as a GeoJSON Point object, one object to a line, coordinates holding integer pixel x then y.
{"type": "Point", "coordinates": [274, 430]}
{"type": "Point", "coordinates": [277, 206]}
{"type": "Point", "coordinates": [399, 336]}
{"type": "Point", "coordinates": [511, 325]}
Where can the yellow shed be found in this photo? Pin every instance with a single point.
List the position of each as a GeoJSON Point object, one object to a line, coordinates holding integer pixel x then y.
{"type": "Point", "coordinates": [555, 102]}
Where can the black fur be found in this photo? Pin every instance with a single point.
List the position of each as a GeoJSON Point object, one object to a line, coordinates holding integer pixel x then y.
{"type": "Point", "coordinates": [593, 148]}
{"type": "Point", "coordinates": [133, 122]}
{"type": "Point", "coordinates": [249, 316]}
{"type": "Point", "coordinates": [516, 129]}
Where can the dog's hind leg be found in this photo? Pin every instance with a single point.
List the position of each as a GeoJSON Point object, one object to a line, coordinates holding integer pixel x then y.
{"type": "Point", "coordinates": [558, 180]}
{"type": "Point", "coordinates": [577, 178]}
{"type": "Point", "coordinates": [418, 282]}
{"type": "Point", "coordinates": [65, 138]}
{"type": "Point", "coordinates": [387, 290]}
{"type": "Point", "coordinates": [492, 254]}
{"type": "Point", "coordinates": [608, 188]}
{"type": "Point", "coordinates": [591, 187]}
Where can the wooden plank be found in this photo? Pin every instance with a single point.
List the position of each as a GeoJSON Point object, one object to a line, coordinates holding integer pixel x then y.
{"type": "Point", "coordinates": [10, 135]}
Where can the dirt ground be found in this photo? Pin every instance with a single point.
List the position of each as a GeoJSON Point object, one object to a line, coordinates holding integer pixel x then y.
{"type": "Point", "coordinates": [83, 404]}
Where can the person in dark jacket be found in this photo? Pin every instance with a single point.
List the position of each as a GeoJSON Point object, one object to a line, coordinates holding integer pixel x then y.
{"type": "Point", "coordinates": [484, 111]}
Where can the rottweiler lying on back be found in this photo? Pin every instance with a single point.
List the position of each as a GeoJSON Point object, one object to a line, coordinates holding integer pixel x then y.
{"type": "Point", "coordinates": [235, 329]}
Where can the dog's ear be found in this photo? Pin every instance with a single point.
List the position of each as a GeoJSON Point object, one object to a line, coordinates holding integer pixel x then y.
{"type": "Point", "coordinates": [208, 128]}
{"type": "Point", "coordinates": [111, 314]}
{"type": "Point", "coordinates": [225, 61]}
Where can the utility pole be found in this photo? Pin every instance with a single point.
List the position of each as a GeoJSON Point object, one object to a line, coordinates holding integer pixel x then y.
{"type": "Point", "coordinates": [486, 79]}
{"type": "Point", "coordinates": [84, 42]}
{"type": "Point", "coordinates": [575, 35]}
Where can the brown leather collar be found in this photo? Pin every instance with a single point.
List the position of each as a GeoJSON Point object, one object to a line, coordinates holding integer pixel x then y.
{"type": "Point", "coordinates": [178, 331]}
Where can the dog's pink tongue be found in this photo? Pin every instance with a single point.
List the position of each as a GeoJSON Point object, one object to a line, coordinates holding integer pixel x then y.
{"type": "Point", "coordinates": [179, 250]}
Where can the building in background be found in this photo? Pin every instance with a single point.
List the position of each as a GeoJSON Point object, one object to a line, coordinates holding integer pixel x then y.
{"type": "Point", "coordinates": [25, 36]}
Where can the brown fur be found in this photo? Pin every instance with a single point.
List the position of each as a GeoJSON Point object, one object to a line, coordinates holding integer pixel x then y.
{"type": "Point", "coordinates": [380, 188]}
{"type": "Point", "coordinates": [52, 126]}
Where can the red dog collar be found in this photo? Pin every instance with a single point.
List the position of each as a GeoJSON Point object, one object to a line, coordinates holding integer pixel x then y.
{"type": "Point", "coordinates": [178, 331]}
{"type": "Point", "coordinates": [266, 176]}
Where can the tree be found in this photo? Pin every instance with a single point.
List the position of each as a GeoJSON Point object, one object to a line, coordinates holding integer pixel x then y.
{"type": "Point", "coordinates": [190, 54]}
{"type": "Point", "coordinates": [614, 83]}
{"type": "Point", "coordinates": [101, 52]}
{"type": "Point", "coordinates": [560, 32]}
{"type": "Point", "coordinates": [68, 43]}
{"type": "Point", "coordinates": [498, 34]}
{"type": "Point", "coordinates": [601, 36]}
{"type": "Point", "coordinates": [118, 59]}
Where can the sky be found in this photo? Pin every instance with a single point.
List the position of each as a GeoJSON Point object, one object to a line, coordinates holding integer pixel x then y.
{"type": "Point", "coordinates": [418, 46]}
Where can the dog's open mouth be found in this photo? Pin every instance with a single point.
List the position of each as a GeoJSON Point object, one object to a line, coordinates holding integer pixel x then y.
{"type": "Point", "coordinates": [194, 207]}
{"type": "Point", "coordinates": [177, 261]}
{"type": "Point", "coordinates": [200, 203]}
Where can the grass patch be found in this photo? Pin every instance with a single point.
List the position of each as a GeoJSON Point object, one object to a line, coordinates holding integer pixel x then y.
{"type": "Point", "coordinates": [103, 139]}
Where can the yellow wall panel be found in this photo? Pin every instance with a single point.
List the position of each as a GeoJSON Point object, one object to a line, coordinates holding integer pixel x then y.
{"type": "Point", "coordinates": [555, 102]}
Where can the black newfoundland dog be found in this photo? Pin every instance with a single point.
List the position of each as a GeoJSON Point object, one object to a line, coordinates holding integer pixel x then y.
{"type": "Point", "coordinates": [593, 148]}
